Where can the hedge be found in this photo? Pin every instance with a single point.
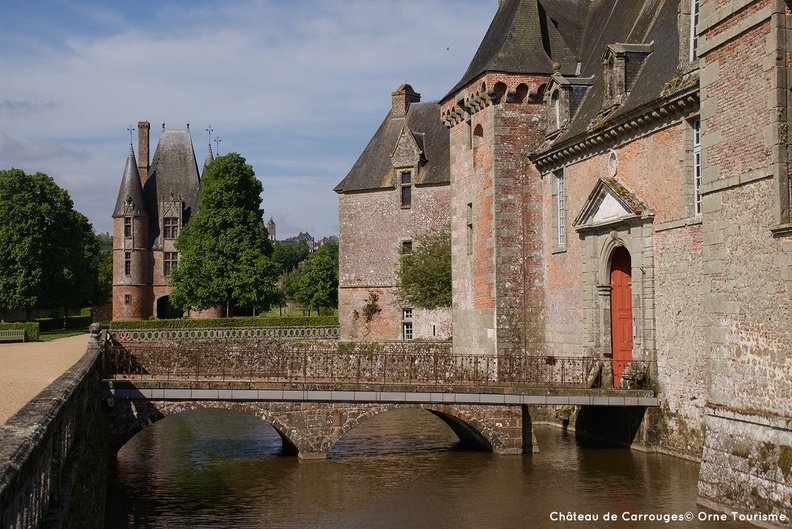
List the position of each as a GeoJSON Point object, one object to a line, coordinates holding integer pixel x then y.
{"type": "Point", "coordinates": [72, 322]}
{"type": "Point", "coordinates": [308, 321]}
{"type": "Point", "coordinates": [31, 329]}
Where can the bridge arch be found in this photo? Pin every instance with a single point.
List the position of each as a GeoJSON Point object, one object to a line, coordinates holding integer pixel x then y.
{"type": "Point", "coordinates": [126, 423]}
{"type": "Point", "coordinates": [311, 429]}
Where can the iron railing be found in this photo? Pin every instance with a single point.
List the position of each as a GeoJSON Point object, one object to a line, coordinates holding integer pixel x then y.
{"type": "Point", "coordinates": [277, 362]}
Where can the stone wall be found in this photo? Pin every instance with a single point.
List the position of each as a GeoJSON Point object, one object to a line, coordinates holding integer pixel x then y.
{"type": "Point", "coordinates": [747, 252]}
{"type": "Point", "coordinates": [54, 453]}
{"type": "Point", "coordinates": [372, 230]}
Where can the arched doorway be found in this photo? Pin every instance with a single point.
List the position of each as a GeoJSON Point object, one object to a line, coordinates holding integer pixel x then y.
{"type": "Point", "coordinates": [621, 312]}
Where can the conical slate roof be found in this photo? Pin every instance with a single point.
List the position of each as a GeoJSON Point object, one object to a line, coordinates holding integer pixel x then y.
{"type": "Point", "coordinates": [130, 190]}
{"type": "Point", "coordinates": [209, 159]}
{"type": "Point", "coordinates": [521, 39]}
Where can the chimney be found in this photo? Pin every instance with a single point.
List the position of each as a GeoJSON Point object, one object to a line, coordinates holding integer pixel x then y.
{"type": "Point", "coordinates": [143, 150]}
{"type": "Point", "coordinates": [401, 100]}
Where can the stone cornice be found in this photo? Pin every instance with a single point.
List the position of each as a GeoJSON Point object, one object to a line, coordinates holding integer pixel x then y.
{"type": "Point", "coordinates": [615, 130]}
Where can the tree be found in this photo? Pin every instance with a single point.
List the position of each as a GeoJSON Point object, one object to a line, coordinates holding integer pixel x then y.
{"type": "Point", "coordinates": [49, 254]}
{"type": "Point", "coordinates": [289, 256]}
{"type": "Point", "coordinates": [316, 285]}
{"type": "Point", "coordinates": [426, 271]}
{"type": "Point", "coordinates": [225, 250]}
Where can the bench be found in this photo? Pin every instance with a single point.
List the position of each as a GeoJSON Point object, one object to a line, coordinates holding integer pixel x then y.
{"type": "Point", "coordinates": [12, 335]}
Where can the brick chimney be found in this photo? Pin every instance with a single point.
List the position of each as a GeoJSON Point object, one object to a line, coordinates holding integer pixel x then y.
{"type": "Point", "coordinates": [143, 150]}
{"type": "Point", "coordinates": [401, 100]}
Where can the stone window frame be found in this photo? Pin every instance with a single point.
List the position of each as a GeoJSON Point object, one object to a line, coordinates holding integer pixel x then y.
{"type": "Point", "coordinates": [405, 188]}
{"type": "Point", "coordinates": [469, 227]}
{"type": "Point", "coordinates": [127, 298]}
{"type": "Point", "coordinates": [560, 210]}
{"type": "Point", "coordinates": [407, 324]}
{"type": "Point", "coordinates": [127, 263]}
{"type": "Point", "coordinates": [170, 227]}
{"type": "Point", "coordinates": [127, 227]}
{"type": "Point", "coordinates": [170, 261]}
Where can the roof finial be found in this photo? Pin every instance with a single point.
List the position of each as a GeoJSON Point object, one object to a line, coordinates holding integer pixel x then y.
{"type": "Point", "coordinates": [130, 129]}
{"type": "Point", "coordinates": [209, 129]}
{"type": "Point", "coordinates": [217, 146]}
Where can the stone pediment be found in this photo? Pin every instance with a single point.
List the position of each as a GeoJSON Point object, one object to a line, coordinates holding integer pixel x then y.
{"type": "Point", "coordinates": [610, 203]}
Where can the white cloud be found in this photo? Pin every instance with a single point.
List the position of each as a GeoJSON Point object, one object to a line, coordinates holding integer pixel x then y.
{"type": "Point", "coordinates": [297, 87]}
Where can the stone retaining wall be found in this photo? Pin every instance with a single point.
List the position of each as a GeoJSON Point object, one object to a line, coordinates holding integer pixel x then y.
{"type": "Point", "coordinates": [54, 455]}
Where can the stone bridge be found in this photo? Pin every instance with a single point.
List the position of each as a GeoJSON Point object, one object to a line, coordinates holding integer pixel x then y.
{"type": "Point", "coordinates": [314, 392]}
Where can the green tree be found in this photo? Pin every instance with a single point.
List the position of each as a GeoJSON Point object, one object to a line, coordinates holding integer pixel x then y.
{"type": "Point", "coordinates": [316, 285]}
{"type": "Point", "coordinates": [49, 254]}
{"type": "Point", "coordinates": [289, 256]}
{"type": "Point", "coordinates": [426, 271]}
{"type": "Point", "coordinates": [225, 250]}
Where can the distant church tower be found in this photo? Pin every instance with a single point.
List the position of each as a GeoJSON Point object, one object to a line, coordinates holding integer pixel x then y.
{"type": "Point", "coordinates": [271, 230]}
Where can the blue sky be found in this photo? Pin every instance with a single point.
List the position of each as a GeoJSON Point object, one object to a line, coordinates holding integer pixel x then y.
{"type": "Point", "coordinates": [297, 87]}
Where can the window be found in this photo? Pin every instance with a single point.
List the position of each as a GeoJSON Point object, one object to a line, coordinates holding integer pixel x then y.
{"type": "Point", "coordinates": [407, 247]}
{"type": "Point", "coordinates": [127, 227]}
{"type": "Point", "coordinates": [170, 261]}
{"type": "Point", "coordinates": [556, 101]}
{"type": "Point", "coordinates": [127, 299]}
{"type": "Point", "coordinates": [170, 227]}
{"type": "Point", "coordinates": [405, 184]}
{"type": "Point", "coordinates": [407, 326]}
{"type": "Point", "coordinates": [694, 18]}
{"type": "Point", "coordinates": [469, 229]}
{"type": "Point", "coordinates": [560, 212]}
{"type": "Point", "coordinates": [696, 129]}
{"type": "Point", "coordinates": [127, 263]}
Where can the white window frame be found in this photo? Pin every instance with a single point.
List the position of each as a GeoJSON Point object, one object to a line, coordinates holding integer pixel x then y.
{"type": "Point", "coordinates": [694, 16]}
{"type": "Point", "coordinates": [696, 136]}
{"type": "Point", "coordinates": [560, 178]}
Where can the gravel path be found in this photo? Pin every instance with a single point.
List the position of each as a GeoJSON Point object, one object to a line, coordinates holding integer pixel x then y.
{"type": "Point", "coordinates": [27, 368]}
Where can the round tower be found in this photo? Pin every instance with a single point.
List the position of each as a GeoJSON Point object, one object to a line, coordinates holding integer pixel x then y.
{"type": "Point", "coordinates": [132, 282]}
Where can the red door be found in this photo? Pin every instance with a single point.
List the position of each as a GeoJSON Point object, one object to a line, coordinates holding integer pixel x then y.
{"type": "Point", "coordinates": [621, 313]}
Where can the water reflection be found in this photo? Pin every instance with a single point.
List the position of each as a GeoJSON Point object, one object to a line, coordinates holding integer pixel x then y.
{"type": "Point", "coordinates": [217, 468]}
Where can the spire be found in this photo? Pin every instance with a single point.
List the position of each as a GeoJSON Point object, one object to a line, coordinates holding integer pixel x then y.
{"type": "Point", "coordinates": [130, 193]}
{"type": "Point", "coordinates": [522, 40]}
{"type": "Point", "coordinates": [209, 158]}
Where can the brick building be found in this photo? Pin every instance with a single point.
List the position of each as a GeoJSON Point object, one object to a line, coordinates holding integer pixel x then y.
{"type": "Point", "coordinates": [154, 201]}
{"type": "Point", "coordinates": [397, 190]}
{"type": "Point", "coordinates": [618, 187]}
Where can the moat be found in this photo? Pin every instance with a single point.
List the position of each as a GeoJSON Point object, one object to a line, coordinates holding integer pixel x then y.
{"type": "Point", "coordinates": [213, 468]}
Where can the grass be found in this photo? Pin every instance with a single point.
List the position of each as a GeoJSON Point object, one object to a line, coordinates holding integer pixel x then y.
{"type": "Point", "coordinates": [54, 335]}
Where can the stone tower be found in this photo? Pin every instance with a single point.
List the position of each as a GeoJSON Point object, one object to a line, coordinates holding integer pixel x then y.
{"type": "Point", "coordinates": [131, 251]}
{"type": "Point", "coordinates": [493, 117]}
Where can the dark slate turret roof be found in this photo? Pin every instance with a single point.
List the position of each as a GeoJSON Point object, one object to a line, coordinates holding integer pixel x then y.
{"type": "Point", "coordinates": [130, 189]}
{"type": "Point", "coordinates": [209, 159]}
{"type": "Point", "coordinates": [525, 37]}
{"type": "Point", "coordinates": [373, 169]}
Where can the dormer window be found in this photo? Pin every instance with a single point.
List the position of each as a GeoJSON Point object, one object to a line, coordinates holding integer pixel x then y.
{"type": "Point", "coordinates": [562, 98]}
{"type": "Point", "coordinates": [621, 65]}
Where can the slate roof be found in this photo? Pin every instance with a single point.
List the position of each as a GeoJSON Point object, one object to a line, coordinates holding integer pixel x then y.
{"type": "Point", "coordinates": [373, 169]}
{"type": "Point", "coordinates": [173, 169]}
{"type": "Point", "coordinates": [528, 36]}
{"type": "Point", "coordinates": [130, 189]}
{"type": "Point", "coordinates": [626, 22]}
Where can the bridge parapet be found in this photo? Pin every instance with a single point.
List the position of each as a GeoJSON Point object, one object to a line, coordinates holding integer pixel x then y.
{"type": "Point", "coordinates": [316, 332]}
{"type": "Point", "coordinates": [256, 359]}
